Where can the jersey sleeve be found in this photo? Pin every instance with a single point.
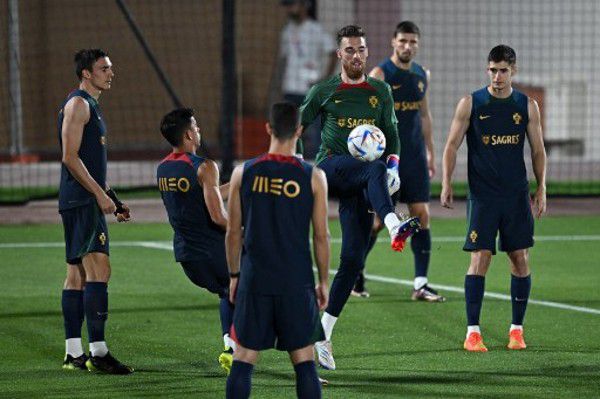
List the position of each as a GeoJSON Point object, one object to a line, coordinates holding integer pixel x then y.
{"type": "Point", "coordinates": [309, 110]}
{"type": "Point", "coordinates": [389, 123]}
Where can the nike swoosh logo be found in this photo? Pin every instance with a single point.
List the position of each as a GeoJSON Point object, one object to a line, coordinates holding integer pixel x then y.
{"type": "Point", "coordinates": [396, 87]}
{"type": "Point", "coordinates": [101, 313]}
{"type": "Point", "coordinates": [520, 299]}
{"type": "Point", "coordinates": [337, 101]}
{"type": "Point", "coordinates": [482, 117]}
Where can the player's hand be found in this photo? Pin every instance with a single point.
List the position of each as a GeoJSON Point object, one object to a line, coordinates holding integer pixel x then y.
{"type": "Point", "coordinates": [233, 283]}
{"type": "Point", "coordinates": [124, 216]}
{"type": "Point", "coordinates": [106, 205]}
{"type": "Point", "coordinates": [431, 167]}
{"type": "Point", "coordinates": [539, 202]}
{"type": "Point", "coordinates": [446, 197]}
{"type": "Point", "coordinates": [322, 295]}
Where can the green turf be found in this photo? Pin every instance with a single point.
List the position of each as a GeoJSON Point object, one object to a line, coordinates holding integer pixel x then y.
{"type": "Point", "coordinates": [385, 346]}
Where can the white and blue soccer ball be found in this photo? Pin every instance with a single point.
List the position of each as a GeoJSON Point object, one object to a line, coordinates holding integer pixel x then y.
{"type": "Point", "coordinates": [366, 142]}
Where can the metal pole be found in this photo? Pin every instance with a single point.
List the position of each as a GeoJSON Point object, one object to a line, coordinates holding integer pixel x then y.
{"type": "Point", "coordinates": [14, 80]}
{"type": "Point", "coordinates": [228, 91]}
{"type": "Point", "coordinates": [140, 37]}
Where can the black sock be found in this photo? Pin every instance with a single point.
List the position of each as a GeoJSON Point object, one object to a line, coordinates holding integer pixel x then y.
{"type": "Point", "coordinates": [226, 314]}
{"type": "Point", "coordinates": [420, 243]}
{"type": "Point", "coordinates": [73, 314]}
{"type": "Point", "coordinates": [474, 289]}
{"type": "Point", "coordinates": [519, 295]}
{"type": "Point", "coordinates": [239, 381]}
{"type": "Point", "coordinates": [307, 380]}
{"type": "Point", "coordinates": [95, 300]}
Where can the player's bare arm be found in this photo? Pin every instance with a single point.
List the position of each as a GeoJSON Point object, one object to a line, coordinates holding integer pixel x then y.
{"type": "Point", "coordinates": [321, 237]}
{"type": "Point", "coordinates": [76, 115]}
{"type": "Point", "coordinates": [427, 128]}
{"type": "Point", "coordinates": [233, 237]}
{"type": "Point", "coordinates": [538, 156]}
{"type": "Point", "coordinates": [377, 73]}
{"type": "Point", "coordinates": [224, 189]}
{"type": "Point", "coordinates": [458, 128]}
{"type": "Point", "coordinates": [208, 177]}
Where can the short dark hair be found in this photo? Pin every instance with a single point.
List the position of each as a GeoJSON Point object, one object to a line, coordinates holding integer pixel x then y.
{"type": "Point", "coordinates": [84, 59]}
{"type": "Point", "coordinates": [350, 31]}
{"type": "Point", "coordinates": [407, 27]}
{"type": "Point", "coordinates": [503, 53]}
{"type": "Point", "coordinates": [175, 123]}
{"type": "Point", "coordinates": [284, 120]}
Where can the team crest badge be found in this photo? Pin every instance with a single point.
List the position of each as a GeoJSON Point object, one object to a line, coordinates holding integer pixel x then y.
{"type": "Point", "coordinates": [517, 118]}
{"type": "Point", "coordinates": [103, 140]}
{"type": "Point", "coordinates": [373, 100]}
{"type": "Point", "coordinates": [486, 139]}
{"type": "Point", "coordinates": [341, 122]}
{"type": "Point", "coordinates": [421, 86]}
{"type": "Point", "coordinates": [473, 236]}
{"type": "Point", "coordinates": [102, 238]}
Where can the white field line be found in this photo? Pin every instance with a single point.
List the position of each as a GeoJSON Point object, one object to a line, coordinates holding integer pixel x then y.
{"type": "Point", "coordinates": [166, 245]}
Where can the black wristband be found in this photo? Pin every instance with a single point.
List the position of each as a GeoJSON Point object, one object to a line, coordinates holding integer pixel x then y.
{"type": "Point", "coordinates": [234, 275]}
{"type": "Point", "coordinates": [118, 203]}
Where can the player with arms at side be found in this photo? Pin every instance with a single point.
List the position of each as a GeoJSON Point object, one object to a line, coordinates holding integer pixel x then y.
{"type": "Point", "coordinates": [410, 84]}
{"type": "Point", "coordinates": [496, 120]}
{"type": "Point", "coordinates": [345, 101]}
{"type": "Point", "coordinates": [272, 201]}
{"type": "Point", "coordinates": [84, 199]}
{"type": "Point", "coordinates": [189, 187]}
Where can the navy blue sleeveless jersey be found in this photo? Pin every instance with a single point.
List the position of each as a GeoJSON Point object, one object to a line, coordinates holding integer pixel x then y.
{"type": "Point", "coordinates": [277, 204]}
{"type": "Point", "coordinates": [92, 152]}
{"type": "Point", "coordinates": [408, 90]}
{"type": "Point", "coordinates": [196, 236]}
{"type": "Point", "coordinates": [495, 139]}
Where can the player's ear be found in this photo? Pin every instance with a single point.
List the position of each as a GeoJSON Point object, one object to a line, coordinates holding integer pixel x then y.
{"type": "Point", "coordinates": [513, 69]}
{"type": "Point", "coordinates": [86, 74]}
{"type": "Point", "coordinates": [269, 129]}
{"type": "Point", "coordinates": [339, 53]}
{"type": "Point", "coordinates": [298, 132]}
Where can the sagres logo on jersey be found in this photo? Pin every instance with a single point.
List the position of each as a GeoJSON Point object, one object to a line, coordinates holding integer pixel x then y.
{"type": "Point", "coordinates": [486, 139]}
{"type": "Point", "coordinates": [351, 123]}
{"type": "Point", "coordinates": [102, 238]}
{"type": "Point", "coordinates": [473, 236]}
{"type": "Point", "coordinates": [275, 186]}
{"type": "Point", "coordinates": [373, 100]}
{"type": "Point", "coordinates": [517, 118]}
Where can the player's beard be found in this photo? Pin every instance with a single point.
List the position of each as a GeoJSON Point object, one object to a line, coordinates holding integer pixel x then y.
{"type": "Point", "coordinates": [353, 71]}
{"type": "Point", "coordinates": [404, 58]}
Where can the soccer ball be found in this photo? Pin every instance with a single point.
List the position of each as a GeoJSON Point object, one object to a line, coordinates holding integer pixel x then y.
{"type": "Point", "coordinates": [366, 142]}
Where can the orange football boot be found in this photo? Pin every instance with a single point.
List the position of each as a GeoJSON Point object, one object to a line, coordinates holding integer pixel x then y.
{"type": "Point", "coordinates": [474, 343]}
{"type": "Point", "coordinates": [515, 340]}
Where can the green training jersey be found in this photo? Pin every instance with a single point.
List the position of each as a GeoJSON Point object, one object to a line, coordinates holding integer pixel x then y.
{"type": "Point", "coordinates": [345, 106]}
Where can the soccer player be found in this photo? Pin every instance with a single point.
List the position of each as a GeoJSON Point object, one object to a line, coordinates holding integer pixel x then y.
{"type": "Point", "coordinates": [496, 119]}
{"type": "Point", "coordinates": [272, 201]}
{"type": "Point", "coordinates": [410, 83]}
{"type": "Point", "coordinates": [189, 187]}
{"type": "Point", "coordinates": [84, 199]}
{"type": "Point", "coordinates": [344, 101]}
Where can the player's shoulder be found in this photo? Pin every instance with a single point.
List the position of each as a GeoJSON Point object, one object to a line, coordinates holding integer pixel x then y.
{"type": "Point", "coordinates": [378, 84]}
{"type": "Point", "coordinates": [419, 69]}
{"type": "Point", "coordinates": [326, 85]}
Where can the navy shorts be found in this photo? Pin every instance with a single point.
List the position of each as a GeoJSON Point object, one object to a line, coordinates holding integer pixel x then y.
{"type": "Point", "coordinates": [284, 322]}
{"type": "Point", "coordinates": [211, 274]}
{"type": "Point", "coordinates": [414, 181]}
{"type": "Point", "coordinates": [85, 231]}
{"type": "Point", "coordinates": [510, 216]}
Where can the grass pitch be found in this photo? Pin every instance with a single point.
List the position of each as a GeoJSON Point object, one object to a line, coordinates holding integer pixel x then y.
{"type": "Point", "coordinates": [385, 346]}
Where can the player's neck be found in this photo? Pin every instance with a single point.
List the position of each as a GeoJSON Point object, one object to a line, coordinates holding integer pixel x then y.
{"type": "Point", "coordinates": [500, 93]}
{"type": "Point", "coordinates": [287, 148]}
{"type": "Point", "coordinates": [91, 90]}
{"type": "Point", "coordinates": [402, 65]}
{"type": "Point", "coordinates": [185, 148]}
{"type": "Point", "coordinates": [348, 80]}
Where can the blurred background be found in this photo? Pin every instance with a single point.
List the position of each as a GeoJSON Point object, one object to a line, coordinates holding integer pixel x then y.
{"type": "Point", "coordinates": [230, 59]}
